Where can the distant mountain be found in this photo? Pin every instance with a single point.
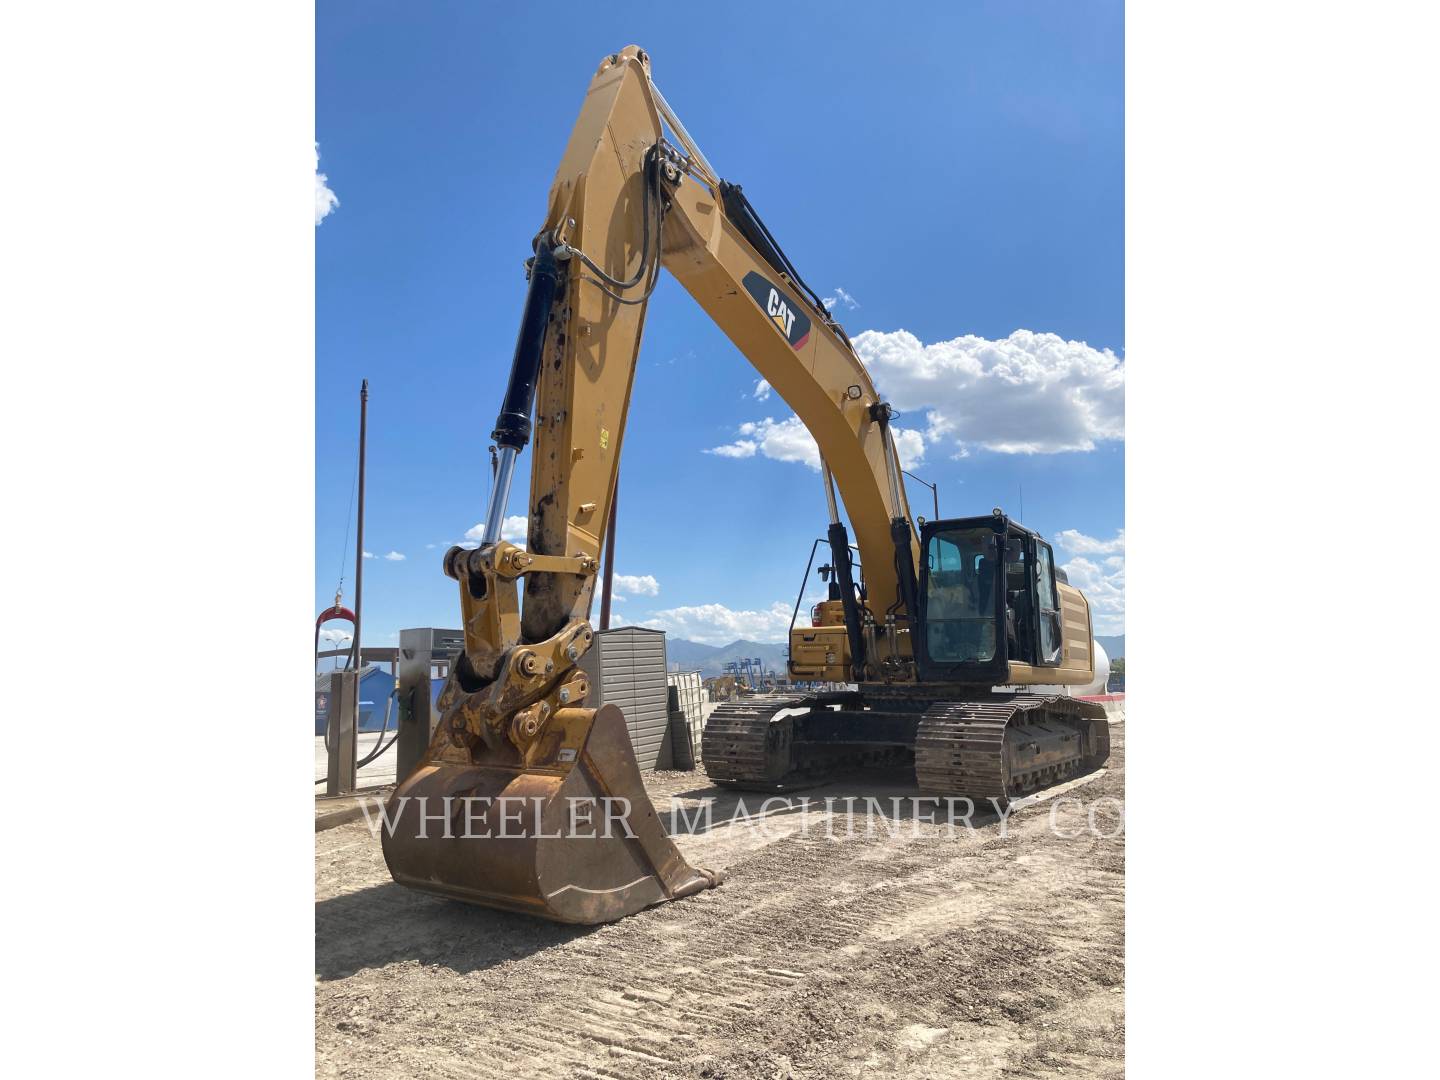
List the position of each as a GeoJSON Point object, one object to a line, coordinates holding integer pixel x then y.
{"type": "Point", "coordinates": [688, 654]}
{"type": "Point", "coordinates": [1114, 646]}
{"type": "Point", "coordinates": [710, 660]}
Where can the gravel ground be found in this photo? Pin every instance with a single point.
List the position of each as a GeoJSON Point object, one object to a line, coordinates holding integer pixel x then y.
{"type": "Point", "coordinates": [997, 952]}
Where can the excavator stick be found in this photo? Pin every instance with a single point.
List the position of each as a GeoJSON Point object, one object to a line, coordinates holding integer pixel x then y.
{"type": "Point", "coordinates": [569, 835]}
{"type": "Point", "coordinates": [527, 801]}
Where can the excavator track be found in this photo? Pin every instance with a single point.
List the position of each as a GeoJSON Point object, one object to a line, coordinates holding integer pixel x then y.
{"type": "Point", "coordinates": [1006, 746]}
{"type": "Point", "coordinates": [744, 745]}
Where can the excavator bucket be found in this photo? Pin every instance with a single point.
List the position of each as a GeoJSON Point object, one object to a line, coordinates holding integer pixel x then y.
{"type": "Point", "coordinates": [567, 833]}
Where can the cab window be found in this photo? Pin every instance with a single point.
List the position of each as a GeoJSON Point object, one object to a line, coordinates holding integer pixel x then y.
{"type": "Point", "coordinates": [1048, 603]}
{"type": "Point", "coordinates": [960, 597]}
{"type": "Point", "coordinates": [1019, 608]}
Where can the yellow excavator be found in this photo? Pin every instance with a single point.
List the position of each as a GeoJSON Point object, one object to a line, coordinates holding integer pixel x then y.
{"type": "Point", "coordinates": [960, 637]}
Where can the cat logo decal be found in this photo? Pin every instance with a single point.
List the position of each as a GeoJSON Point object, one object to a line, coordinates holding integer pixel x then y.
{"type": "Point", "coordinates": [784, 313]}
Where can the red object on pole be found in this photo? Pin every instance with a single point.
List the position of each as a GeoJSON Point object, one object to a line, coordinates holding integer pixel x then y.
{"type": "Point", "coordinates": [607, 581]}
{"type": "Point", "coordinates": [330, 615]}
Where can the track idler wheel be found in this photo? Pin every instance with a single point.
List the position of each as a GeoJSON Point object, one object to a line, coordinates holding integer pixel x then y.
{"type": "Point", "coordinates": [566, 833]}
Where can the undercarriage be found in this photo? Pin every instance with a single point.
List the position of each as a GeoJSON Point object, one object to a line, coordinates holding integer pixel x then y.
{"type": "Point", "coordinates": [977, 745]}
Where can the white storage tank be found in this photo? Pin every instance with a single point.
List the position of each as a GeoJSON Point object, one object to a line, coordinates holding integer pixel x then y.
{"type": "Point", "coordinates": [1093, 687]}
{"type": "Point", "coordinates": [1102, 673]}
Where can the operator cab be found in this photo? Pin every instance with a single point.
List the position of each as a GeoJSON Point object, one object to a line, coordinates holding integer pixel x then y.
{"type": "Point", "coordinates": [988, 598]}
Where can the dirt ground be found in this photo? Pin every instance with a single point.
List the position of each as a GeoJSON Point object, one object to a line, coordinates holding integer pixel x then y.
{"type": "Point", "coordinates": [914, 952]}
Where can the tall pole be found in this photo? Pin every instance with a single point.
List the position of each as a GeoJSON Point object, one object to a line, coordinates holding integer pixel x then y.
{"type": "Point", "coordinates": [608, 581]}
{"type": "Point", "coordinates": [360, 538]}
{"type": "Point", "coordinates": [934, 491]}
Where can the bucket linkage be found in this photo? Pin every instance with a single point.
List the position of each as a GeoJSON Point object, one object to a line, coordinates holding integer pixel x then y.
{"type": "Point", "coordinates": [526, 800]}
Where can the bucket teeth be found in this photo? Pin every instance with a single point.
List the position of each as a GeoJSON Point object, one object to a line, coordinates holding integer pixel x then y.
{"type": "Point", "coordinates": [572, 837]}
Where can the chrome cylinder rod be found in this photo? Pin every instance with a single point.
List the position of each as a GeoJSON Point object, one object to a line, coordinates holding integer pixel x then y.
{"type": "Point", "coordinates": [499, 494]}
{"type": "Point", "coordinates": [830, 492]}
{"type": "Point", "coordinates": [668, 114]}
{"type": "Point", "coordinates": [892, 471]}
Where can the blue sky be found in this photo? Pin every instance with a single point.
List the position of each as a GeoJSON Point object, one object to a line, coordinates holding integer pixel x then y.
{"type": "Point", "coordinates": [955, 170]}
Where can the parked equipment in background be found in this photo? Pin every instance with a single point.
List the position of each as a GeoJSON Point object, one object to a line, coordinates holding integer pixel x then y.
{"type": "Point", "coordinates": [722, 688]}
{"type": "Point", "coordinates": [936, 618]}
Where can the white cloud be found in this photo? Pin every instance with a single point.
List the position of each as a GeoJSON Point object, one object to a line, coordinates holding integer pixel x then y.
{"type": "Point", "coordinates": [394, 556]}
{"type": "Point", "coordinates": [741, 448]}
{"type": "Point", "coordinates": [1103, 582]}
{"type": "Point", "coordinates": [335, 637]}
{"type": "Point", "coordinates": [840, 297]}
{"type": "Point", "coordinates": [325, 199]}
{"type": "Point", "coordinates": [786, 440]}
{"type": "Point", "coordinates": [1080, 544]}
{"type": "Point", "coordinates": [1026, 394]}
{"type": "Point", "coordinates": [716, 624]}
{"type": "Point", "coordinates": [762, 391]}
{"type": "Point", "coordinates": [514, 528]}
{"type": "Point", "coordinates": [909, 446]}
{"type": "Point", "coordinates": [369, 554]}
{"type": "Point", "coordinates": [790, 440]}
{"type": "Point", "coordinates": [637, 584]}
{"type": "Point", "coordinates": [1104, 587]}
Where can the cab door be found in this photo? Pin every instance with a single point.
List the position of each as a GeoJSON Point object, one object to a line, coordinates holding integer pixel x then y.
{"type": "Point", "coordinates": [962, 602]}
{"type": "Point", "coordinates": [1047, 604]}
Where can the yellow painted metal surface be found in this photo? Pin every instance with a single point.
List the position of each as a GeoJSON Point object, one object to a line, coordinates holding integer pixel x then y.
{"type": "Point", "coordinates": [596, 203]}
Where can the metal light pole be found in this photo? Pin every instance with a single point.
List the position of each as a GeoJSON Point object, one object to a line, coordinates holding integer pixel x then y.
{"type": "Point", "coordinates": [340, 733]}
{"type": "Point", "coordinates": [933, 491]}
{"type": "Point", "coordinates": [360, 537]}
